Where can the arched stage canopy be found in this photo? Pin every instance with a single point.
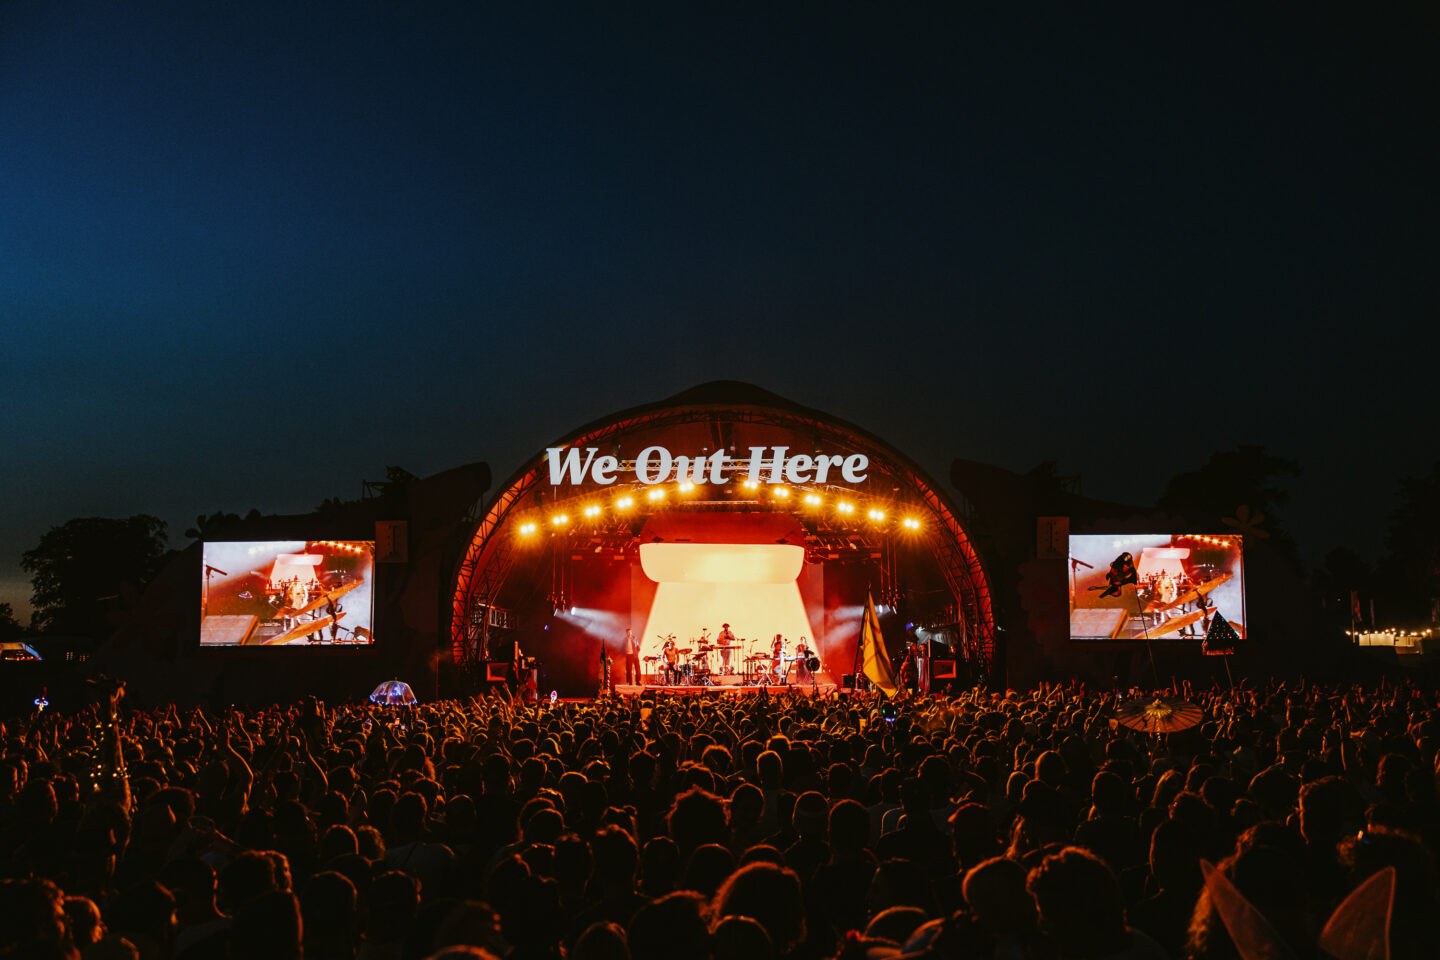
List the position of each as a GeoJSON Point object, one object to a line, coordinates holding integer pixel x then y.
{"type": "Point", "coordinates": [893, 501]}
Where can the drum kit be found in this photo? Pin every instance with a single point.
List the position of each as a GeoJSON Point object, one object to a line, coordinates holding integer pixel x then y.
{"type": "Point", "coordinates": [765, 668]}
{"type": "Point", "coordinates": [701, 664]}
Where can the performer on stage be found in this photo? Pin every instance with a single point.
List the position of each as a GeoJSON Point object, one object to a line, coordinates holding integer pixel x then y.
{"type": "Point", "coordinates": [527, 679]}
{"type": "Point", "coordinates": [777, 658]}
{"type": "Point", "coordinates": [670, 659]}
{"type": "Point", "coordinates": [607, 676]}
{"type": "Point", "coordinates": [726, 638]}
{"type": "Point", "coordinates": [909, 673]}
{"type": "Point", "coordinates": [922, 666]}
{"type": "Point", "coordinates": [802, 669]}
{"type": "Point", "coordinates": [632, 657]}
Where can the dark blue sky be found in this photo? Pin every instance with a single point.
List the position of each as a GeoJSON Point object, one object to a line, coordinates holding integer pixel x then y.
{"type": "Point", "coordinates": [250, 255]}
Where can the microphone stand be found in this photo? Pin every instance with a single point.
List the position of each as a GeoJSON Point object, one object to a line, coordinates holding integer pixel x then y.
{"type": "Point", "coordinates": [1074, 579]}
{"type": "Point", "coordinates": [205, 609]}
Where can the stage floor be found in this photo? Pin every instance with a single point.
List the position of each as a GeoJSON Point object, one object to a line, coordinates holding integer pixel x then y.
{"type": "Point", "coordinates": [728, 690]}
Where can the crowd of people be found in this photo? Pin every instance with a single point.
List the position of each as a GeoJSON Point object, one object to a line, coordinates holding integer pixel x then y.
{"type": "Point", "coordinates": [995, 826]}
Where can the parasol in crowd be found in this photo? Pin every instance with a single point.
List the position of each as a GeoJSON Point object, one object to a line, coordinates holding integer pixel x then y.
{"type": "Point", "coordinates": [1161, 715]}
{"type": "Point", "coordinates": [393, 693]}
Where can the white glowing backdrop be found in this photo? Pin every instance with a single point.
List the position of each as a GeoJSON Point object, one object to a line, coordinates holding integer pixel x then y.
{"type": "Point", "coordinates": [753, 587]}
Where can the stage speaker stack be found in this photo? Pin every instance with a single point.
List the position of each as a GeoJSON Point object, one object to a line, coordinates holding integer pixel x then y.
{"type": "Point", "coordinates": [942, 676]}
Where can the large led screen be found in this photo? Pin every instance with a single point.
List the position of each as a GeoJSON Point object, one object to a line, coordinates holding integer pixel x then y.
{"type": "Point", "coordinates": [287, 593]}
{"type": "Point", "coordinates": [1181, 581]}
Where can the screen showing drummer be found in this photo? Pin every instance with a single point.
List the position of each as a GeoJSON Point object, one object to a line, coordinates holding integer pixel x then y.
{"type": "Point", "coordinates": [1179, 583]}
{"type": "Point", "coordinates": [286, 593]}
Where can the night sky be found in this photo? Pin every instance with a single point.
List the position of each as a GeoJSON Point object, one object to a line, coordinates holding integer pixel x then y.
{"type": "Point", "coordinates": [252, 253]}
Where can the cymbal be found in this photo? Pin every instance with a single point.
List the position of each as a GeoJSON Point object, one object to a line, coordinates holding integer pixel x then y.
{"type": "Point", "coordinates": [649, 658]}
{"type": "Point", "coordinates": [682, 649]}
{"type": "Point", "coordinates": [300, 630]}
{"type": "Point", "coordinates": [726, 646]}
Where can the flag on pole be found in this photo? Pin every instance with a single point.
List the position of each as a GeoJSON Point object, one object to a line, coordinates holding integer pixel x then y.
{"type": "Point", "coordinates": [875, 662]}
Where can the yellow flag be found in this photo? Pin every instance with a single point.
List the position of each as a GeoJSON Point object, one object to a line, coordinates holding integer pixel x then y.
{"type": "Point", "coordinates": [875, 662]}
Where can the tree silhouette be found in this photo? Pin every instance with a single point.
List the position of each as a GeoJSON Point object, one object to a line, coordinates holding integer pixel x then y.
{"type": "Point", "coordinates": [1411, 564]}
{"type": "Point", "coordinates": [213, 527]}
{"type": "Point", "coordinates": [1247, 475]}
{"type": "Point", "coordinates": [80, 569]}
{"type": "Point", "coordinates": [10, 628]}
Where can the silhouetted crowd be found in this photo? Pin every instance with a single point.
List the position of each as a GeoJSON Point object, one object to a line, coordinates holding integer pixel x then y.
{"type": "Point", "coordinates": [1017, 826]}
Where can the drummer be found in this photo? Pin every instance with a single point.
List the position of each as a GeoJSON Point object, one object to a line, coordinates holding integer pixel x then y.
{"type": "Point", "coordinates": [777, 658]}
{"type": "Point", "coordinates": [725, 639]}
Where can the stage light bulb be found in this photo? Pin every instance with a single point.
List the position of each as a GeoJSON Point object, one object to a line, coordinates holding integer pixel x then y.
{"type": "Point", "coordinates": [560, 519]}
{"type": "Point", "coordinates": [751, 485]}
{"type": "Point", "coordinates": [910, 523]}
{"type": "Point", "coordinates": [686, 487]}
{"type": "Point", "coordinates": [845, 507]}
{"type": "Point", "coordinates": [877, 515]}
{"type": "Point", "coordinates": [527, 528]}
{"type": "Point", "coordinates": [624, 503]}
{"type": "Point", "coordinates": [592, 511]}
{"type": "Point", "coordinates": [812, 499]}
{"type": "Point", "coordinates": [782, 493]}
{"type": "Point", "coordinates": [657, 494]}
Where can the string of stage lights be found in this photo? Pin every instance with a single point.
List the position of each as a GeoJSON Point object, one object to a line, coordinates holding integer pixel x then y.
{"type": "Point", "coordinates": [639, 499]}
{"type": "Point", "coordinates": [272, 546]}
{"type": "Point", "coordinates": [1121, 542]}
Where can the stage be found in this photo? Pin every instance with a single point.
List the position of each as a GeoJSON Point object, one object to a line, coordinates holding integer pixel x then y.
{"type": "Point", "coordinates": [725, 689]}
